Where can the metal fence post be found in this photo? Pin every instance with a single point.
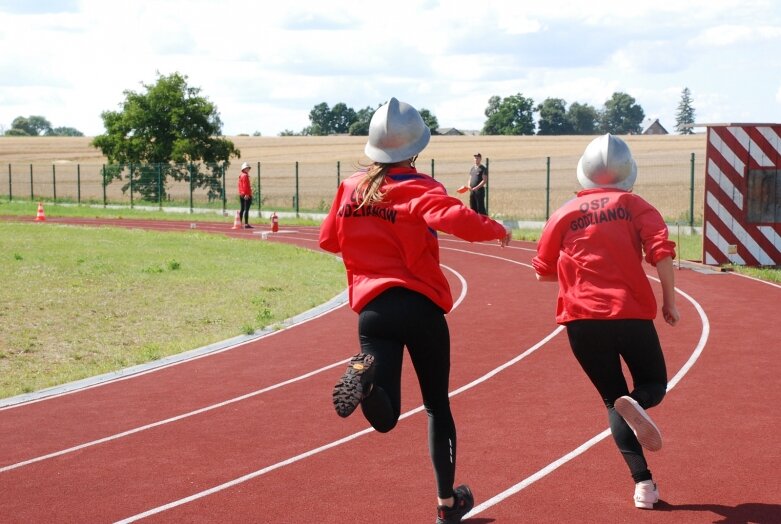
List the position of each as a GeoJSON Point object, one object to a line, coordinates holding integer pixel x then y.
{"type": "Point", "coordinates": [78, 183]}
{"type": "Point", "coordinates": [224, 196]}
{"type": "Point", "coordinates": [159, 187]}
{"type": "Point", "coordinates": [547, 188]}
{"type": "Point", "coordinates": [260, 196]}
{"type": "Point", "coordinates": [338, 173]}
{"type": "Point", "coordinates": [691, 192]}
{"type": "Point", "coordinates": [54, 182]}
{"type": "Point", "coordinates": [190, 171]}
{"type": "Point", "coordinates": [297, 194]}
{"type": "Point", "coordinates": [104, 185]}
{"type": "Point", "coordinates": [32, 193]}
{"type": "Point", "coordinates": [487, 172]}
{"type": "Point", "coordinates": [131, 186]}
{"type": "Point", "coordinates": [432, 168]}
{"type": "Point", "coordinates": [10, 187]}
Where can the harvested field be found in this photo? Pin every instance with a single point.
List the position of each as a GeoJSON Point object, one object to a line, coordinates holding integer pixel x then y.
{"type": "Point", "coordinates": [66, 168]}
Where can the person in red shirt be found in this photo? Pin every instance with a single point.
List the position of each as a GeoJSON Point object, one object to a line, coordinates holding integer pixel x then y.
{"type": "Point", "coordinates": [245, 195]}
{"type": "Point", "coordinates": [593, 246]}
{"type": "Point", "coordinates": [384, 221]}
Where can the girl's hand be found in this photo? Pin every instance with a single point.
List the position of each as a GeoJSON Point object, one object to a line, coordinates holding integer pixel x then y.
{"type": "Point", "coordinates": [670, 314]}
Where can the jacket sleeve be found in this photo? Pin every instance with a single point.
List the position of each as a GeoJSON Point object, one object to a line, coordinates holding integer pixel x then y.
{"type": "Point", "coordinates": [548, 249]}
{"type": "Point", "coordinates": [329, 239]}
{"type": "Point", "coordinates": [653, 233]}
{"type": "Point", "coordinates": [448, 214]}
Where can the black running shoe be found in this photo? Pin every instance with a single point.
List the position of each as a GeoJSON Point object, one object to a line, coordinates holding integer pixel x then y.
{"type": "Point", "coordinates": [349, 391]}
{"type": "Point", "coordinates": [463, 503]}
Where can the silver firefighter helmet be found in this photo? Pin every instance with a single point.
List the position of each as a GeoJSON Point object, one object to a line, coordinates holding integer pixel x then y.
{"type": "Point", "coordinates": [607, 162]}
{"type": "Point", "coordinates": [396, 132]}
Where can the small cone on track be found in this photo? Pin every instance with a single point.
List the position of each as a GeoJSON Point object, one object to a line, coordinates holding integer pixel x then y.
{"type": "Point", "coordinates": [274, 223]}
{"type": "Point", "coordinates": [40, 217]}
{"type": "Point", "coordinates": [237, 221]}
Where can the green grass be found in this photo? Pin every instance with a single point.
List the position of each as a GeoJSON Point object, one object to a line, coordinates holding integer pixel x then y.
{"type": "Point", "coordinates": [27, 208]}
{"type": "Point", "coordinates": [80, 301]}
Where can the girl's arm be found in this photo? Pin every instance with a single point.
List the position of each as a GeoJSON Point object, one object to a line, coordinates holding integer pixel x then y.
{"type": "Point", "coordinates": [666, 272]}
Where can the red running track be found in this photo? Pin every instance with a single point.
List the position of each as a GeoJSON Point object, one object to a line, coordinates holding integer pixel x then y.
{"type": "Point", "coordinates": [248, 433]}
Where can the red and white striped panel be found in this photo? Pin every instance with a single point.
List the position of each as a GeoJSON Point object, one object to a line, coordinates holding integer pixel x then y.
{"type": "Point", "coordinates": [732, 151]}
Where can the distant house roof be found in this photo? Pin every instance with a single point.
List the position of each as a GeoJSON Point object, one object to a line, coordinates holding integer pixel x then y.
{"type": "Point", "coordinates": [449, 131]}
{"type": "Point", "coordinates": [653, 127]}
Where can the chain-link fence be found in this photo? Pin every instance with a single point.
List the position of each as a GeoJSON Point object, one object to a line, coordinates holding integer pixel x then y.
{"type": "Point", "coordinates": [525, 189]}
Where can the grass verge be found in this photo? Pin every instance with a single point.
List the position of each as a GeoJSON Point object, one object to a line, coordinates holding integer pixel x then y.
{"type": "Point", "coordinates": [78, 301]}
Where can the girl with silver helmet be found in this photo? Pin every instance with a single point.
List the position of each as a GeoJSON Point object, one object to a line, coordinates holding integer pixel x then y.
{"type": "Point", "coordinates": [594, 246]}
{"type": "Point", "coordinates": [383, 221]}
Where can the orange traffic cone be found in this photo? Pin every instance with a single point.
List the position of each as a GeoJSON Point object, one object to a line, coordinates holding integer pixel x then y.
{"type": "Point", "coordinates": [41, 217]}
{"type": "Point", "coordinates": [237, 221]}
{"type": "Point", "coordinates": [274, 223]}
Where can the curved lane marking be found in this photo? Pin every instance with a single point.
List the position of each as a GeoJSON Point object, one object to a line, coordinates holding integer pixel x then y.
{"type": "Point", "coordinates": [528, 481]}
{"type": "Point", "coordinates": [204, 409]}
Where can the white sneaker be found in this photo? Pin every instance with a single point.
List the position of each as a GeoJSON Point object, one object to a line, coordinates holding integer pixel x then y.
{"type": "Point", "coordinates": [644, 428]}
{"type": "Point", "coordinates": [646, 494]}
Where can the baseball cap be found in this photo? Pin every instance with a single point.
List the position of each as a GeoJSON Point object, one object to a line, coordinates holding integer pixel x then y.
{"type": "Point", "coordinates": [478, 154]}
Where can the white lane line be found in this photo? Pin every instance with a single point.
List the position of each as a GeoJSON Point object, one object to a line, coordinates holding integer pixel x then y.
{"type": "Point", "coordinates": [512, 490]}
{"type": "Point", "coordinates": [267, 469]}
{"type": "Point", "coordinates": [174, 360]}
{"type": "Point", "coordinates": [205, 409]}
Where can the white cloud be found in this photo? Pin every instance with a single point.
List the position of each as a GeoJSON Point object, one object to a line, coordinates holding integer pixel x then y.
{"type": "Point", "coordinates": [266, 64]}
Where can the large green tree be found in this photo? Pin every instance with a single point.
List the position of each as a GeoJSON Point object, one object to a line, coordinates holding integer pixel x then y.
{"type": "Point", "coordinates": [684, 117]}
{"type": "Point", "coordinates": [621, 115]}
{"type": "Point", "coordinates": [166, 131]}
{"type": "Point", "coordinates": [553, 117]}
{"type": "Point", "coordinates": [583, 118]}
{"type": "Point", "coordinates": [513, 115]}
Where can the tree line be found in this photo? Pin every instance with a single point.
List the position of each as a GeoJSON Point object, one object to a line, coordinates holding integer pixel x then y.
{"type": "Point", "coordinates": [514, 115]}
{"type": "Point", "coordinates": [169, 131]}
{"type": "Point", "coordinates": [35, 125]}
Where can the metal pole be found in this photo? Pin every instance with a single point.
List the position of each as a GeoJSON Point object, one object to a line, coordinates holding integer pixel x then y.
{"type": "Point", "coordinates": [32, 196]}
{"type": "Point", "coordinates": [487, 163]}
{"type": "Point", "coordinates": [547, 189]}
{"type": "Point", "coordinates": [10, 187]}
{"type": "Point", "coordinates": [190, 171]}
{"type": "Point", "coordinates": [432, 168]}
{"type": "Point", "coordinates": [338, 173]}
{"type": "Point", "coordinates": [297, 195]}
{"type": "Point", "coordinates": [224, 196]}
{"type": "Point", "coordinates": [159, 188]}
{"type": "Point", "coordinates": [78, 183]}
{"type": "Point", "coordinates": [104, 185]}
{"type": "Point", "coordinates": [131, 186]}
{"type": "Point", "coordinates": [54, 182]}
{"type": "Point", "coordinates": [260, 196]}
{"type": "Point", "coordinates": [691, 192]}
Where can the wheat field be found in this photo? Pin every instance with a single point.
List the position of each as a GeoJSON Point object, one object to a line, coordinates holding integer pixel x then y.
{"type": "Point", "coordinates": [67, 168]}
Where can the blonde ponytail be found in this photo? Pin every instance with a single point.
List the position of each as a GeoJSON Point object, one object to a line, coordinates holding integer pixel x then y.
{"type": "Point", "coordinates": [369, 189]}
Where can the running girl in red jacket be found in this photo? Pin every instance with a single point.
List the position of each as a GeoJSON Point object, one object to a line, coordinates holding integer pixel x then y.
{"type": "Point", "coordinates": [593, 245]}
{"type": "Point", "coordinates": [384, 221]}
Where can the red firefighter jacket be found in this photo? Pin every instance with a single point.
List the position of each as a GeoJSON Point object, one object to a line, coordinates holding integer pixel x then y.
{"type": "Point", "coordinates": [394, 243]}
{"type": "Point", "coordinates": [595, 243]}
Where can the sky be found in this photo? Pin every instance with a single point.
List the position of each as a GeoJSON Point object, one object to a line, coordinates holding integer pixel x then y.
{"type": "Point", "coordinates": [266, 64]}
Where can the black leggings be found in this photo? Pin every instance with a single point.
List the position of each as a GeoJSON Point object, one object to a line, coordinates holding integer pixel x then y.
{"type": "Point", "coordinates": [599, 346]}
{"type": "Point", "coordinates": [246, 204]}
{"type": "Point", "coordinates": [396, 318]}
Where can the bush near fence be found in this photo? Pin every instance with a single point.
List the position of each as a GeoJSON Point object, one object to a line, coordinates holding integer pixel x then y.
{"type": "Point", "coordinates": [529, 177]}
